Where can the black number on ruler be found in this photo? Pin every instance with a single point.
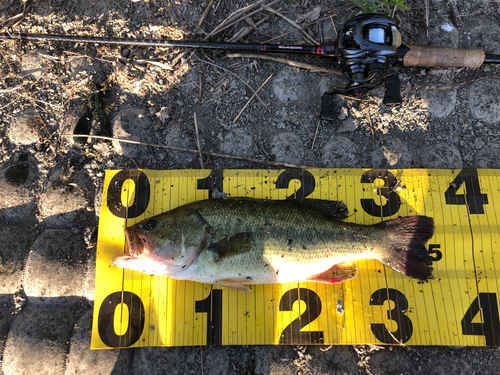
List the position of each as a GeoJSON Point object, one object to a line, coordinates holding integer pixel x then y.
{"type": "Point", "coordinates": [214, 180]}
{"type": "Point", "coordinates": [106, 317]}
{"type": "Point", "coordinates": [472, 197]}
{"type": "Point", "coordinates": [142, 194]}
{"type": "Point", "coordinates": [212, 305]}
{"type": "Point", "coordinates": [405, 326]}
{"type": "Point", "coordinates": [307, 182]}
{"type": "Point", "coordinates": [435, 254]}
{"type": "Point", "coordinates": [292, 334]}
{"type": "Point", "coordinates": [486, 304]}
{"type": "Point", "coordinates": [388, 191]}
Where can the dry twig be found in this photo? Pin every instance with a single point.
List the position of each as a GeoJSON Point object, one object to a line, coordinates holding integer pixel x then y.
{"type": "Point", "coordinates": [249, 100]}
{"type": "Point", "coordinates": [303, 27]}
{"type": "Point", "coordinates": [311, 40]}
{"type": "Point", "coordinates": [10, 90]}
{"type": "Point", "coordinates": [209, 153]}
{"type": "Point", "coordinates": [198, 141]}
{"type": "Point", "coordinates": [234, 18]}
{"type": "Point", "coordinates": [315, 134]}
{"type": "Point", "coordinates": [286, 61]}
{"type": "Point", "coordinates": [426, 3]}
{"type": "Point", "coordinates": [246, 30]}
{"type": "Point", "coordinates": [235, 75]}
{"type": "Point", "coordinates": [13, 21]}
{"type": "Point", "coordinates": [238, 20]}
{"type": "Point", "coordinates": [455, 15]}
{"type": "Point", "coordinates": [205, 13]}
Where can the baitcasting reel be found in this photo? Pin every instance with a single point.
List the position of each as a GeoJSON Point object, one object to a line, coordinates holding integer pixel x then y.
{"type": "Point", "coordinates": [366, 47]}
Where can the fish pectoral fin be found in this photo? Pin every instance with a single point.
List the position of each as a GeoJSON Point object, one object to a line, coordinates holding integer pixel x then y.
{"type": "Point", "coordinates": [235, 284]}
{"type": "Point", "coordinates": [336, 274]}
{"type": "Point", "coordinates": [235, 244]}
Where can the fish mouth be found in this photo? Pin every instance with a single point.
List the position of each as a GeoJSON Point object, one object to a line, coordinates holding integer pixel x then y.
{"type": "Point", "coordinates": [135, 242]}
{"type": "Point", "coordinates": [135, 246]}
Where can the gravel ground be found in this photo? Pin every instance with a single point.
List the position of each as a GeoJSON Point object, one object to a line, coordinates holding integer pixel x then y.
{"type": "Point", "coordinates": [49, 185]}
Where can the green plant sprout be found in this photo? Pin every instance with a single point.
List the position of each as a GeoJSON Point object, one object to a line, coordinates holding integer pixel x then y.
{"type": "Point", "coordinates": [381, 6]}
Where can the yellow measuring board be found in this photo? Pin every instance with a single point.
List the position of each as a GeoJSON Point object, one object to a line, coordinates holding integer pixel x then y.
{"type": "Point", "coordinates": [380, 306]}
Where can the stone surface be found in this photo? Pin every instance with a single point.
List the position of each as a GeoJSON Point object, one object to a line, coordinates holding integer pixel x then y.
{"type": "Point", "coordinates": [17, 202]}
{"type": "Point", "coordinates": [37, 340]}
{"type": "Point", "coordinates": [89, 282]}
{"type": "Point", "coordinates": [287, 148]}
{"type": "Point", "coordinates": [488, 157]}
{"type": "Point", "coordinates": [278, 360]}
{"type": "Point", "coordinates": [25, 128]}
{"type": "Point", "coordinates": [442, 156]}
{"type": "Point", "coordinates": [348, 125]}
{"type": "Point", "coordinates": [80, 65]}
{"type": "Point", "coordinates": [238, 142]}
{"type": "Point", "coordinates": [132, 124]}
{"type": "Point", "coordinates": [54, 271]}
{"type": "Point", "coordinates": [179, 360]}
{"type": "Point", "coordinates": [386, 362]}
{"type": "Point", "coordinates": [447, 366]}
{"type": "Point", "coordinates": [339, 152]}
{"type": "Point", "coordinates": [391, 152]}
{"type": "Point", "coordinates": [14, 249]}
{"type": "Point", "coordinates": [441, 103]}
{"type": "Point", "coordinates": [66, 199]}
{"type": "Point", "coordinates": [443, 33]}
{"type": "Point", "coordinates": [178, 137]}
{"type": "Point", "coordinates": [6, 318]}
{"type": "Point", "coordinates": [482, 32]}
{"type": "Point", "coordinates": [33, 65]}
{"type": "Point", "coordinates": [286, 92]}
{"type": "Point", "coordinates": [82, 360]}
{"type": "Point", "coordinates": [283, 360]}
{"type": "Point", "coordinates": [482, 99]}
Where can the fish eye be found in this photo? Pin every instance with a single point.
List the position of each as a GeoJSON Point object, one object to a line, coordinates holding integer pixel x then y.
{"type": "Point", "coordinates": [150, 225]}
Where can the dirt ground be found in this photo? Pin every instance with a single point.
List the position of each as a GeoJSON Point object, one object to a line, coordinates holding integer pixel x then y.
{"type": "Point", "coordinates": [449, 118]}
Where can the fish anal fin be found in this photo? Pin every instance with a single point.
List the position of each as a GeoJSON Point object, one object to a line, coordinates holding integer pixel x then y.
{"type": "Point", "coordinates": [336, 274]}
{"type": "Point", "coordinates": [235, 244]}
{"type": "Point", "coordinates": [235, 284]}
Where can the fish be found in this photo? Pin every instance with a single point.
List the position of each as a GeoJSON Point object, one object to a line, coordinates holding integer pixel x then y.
{"type": "Point", "coordinates": [238, 242]}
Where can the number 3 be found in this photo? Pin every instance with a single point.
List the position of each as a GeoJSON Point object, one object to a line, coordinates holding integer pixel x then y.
{"type": "Point", "coordinates": [405, 326]}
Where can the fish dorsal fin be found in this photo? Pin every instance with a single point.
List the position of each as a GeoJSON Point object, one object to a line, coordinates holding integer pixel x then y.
{"type": "Point", "coordinates": [235, 284]}
{"type": "Point", "coordinates": [235, 244]}
{"type": "Point", "coordinates": [336, 274]}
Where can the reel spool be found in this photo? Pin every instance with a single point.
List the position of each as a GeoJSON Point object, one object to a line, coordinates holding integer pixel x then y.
{"type": "Point", "coordinates": [366, 47]}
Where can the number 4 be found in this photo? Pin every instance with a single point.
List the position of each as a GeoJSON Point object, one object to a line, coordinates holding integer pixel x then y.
{"type": "Point", "coordinates": [472, 197]}
{"type": "Point", "coordinates": [486, 304]}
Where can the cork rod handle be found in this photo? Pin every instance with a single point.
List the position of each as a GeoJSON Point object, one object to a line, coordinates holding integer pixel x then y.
{"type": "Point", "coordinates": [429, 56]}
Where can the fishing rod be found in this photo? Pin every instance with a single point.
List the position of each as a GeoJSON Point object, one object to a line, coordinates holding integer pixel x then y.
{"type": "Point", "coordinates": [367, 46]}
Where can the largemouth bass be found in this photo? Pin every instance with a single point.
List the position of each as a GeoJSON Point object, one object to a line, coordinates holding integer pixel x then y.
{"type": "Point", "coordinates": [233, 242]}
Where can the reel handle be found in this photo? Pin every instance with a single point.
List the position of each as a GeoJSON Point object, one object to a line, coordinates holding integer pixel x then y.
{"type": "Point", "coordinates": [430, 56]}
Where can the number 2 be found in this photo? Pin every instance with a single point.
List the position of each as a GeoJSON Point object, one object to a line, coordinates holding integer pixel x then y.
{"type": "Point", "coordinates": [292, 334]}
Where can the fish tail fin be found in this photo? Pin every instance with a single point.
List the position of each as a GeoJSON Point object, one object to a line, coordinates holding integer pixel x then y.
{"type": "Point", "coordinates": [406, 252]}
